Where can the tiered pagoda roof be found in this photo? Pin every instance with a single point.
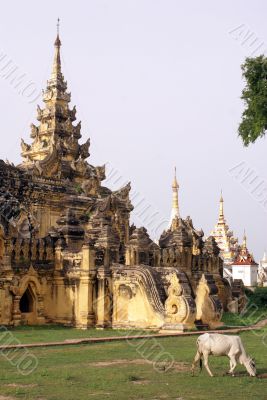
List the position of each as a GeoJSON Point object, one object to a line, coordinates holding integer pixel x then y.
{"type": "Point", "coordinates": [225, 239]}
{"type": "Point", "coordinates": [244, 257]}
{"type": "Point", "coordinates": [55, 150]}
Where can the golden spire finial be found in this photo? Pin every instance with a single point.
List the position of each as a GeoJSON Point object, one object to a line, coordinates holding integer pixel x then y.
{"type": "Point", "coordinates": [175, 202]}
{"type": "Point", "coordinates": [58, 42]}
{"type": "Point", "coordinates": [56, 72]}
{"type": "Point", "coordinates": [221, 214]}
{"type": "Point", "coordinates": [244, 240]}
{"type": "Point", "coordinates": [175, 184]}
{"type": "Point", "coordinates": [58, 24]}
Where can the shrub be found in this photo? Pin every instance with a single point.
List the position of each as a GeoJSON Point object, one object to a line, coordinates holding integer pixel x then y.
{"type": "Point", "coordinates": [259, 297]}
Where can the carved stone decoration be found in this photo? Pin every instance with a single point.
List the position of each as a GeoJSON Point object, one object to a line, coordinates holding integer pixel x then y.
{"type": "Point", "coordinates": [136, 301]}
{"type": "Point", "coordinates": [25, 147]}
{"type": "Point", "coordinates": [209, 307]}
{"type": "Point", "coordinates": [70, 229]}
{"type": "Point", "coordinates": [123, 295]}
{"type": "Point", "coordinates": [84, 149]}
{"type": "Point", "coordinates": [178, 305]}
{"type": "Point", "coordinates": [224, 291]}
{"type": "Point", "coordinates": [140, 247]}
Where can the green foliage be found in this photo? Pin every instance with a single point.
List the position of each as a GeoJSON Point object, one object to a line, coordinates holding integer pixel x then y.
{"type": "Point", "coordinates": [259, 297]}
{"type": "Point", "coordinates": [255, 311]}
{"type": "Point", "coordinates": [250, 316]}
{"type": "Point", "coordinates": [248, 292]}
{"type": "Point", "coordinates": [254, 117]}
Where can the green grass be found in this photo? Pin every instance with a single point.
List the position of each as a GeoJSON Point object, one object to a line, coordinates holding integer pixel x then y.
{"type": "Point", "coordinates": [250, 316]}
{"type": "Point", "coordinates": [74, 372]}
{"type": "Point", "coordinates": [56, 333]}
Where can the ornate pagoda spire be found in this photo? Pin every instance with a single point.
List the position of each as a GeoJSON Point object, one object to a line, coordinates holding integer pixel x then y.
{"type": "Point", "coordinates": [244, 256]}
{"type": "Point", "coordinates": [55, 150]}
{"type": "Point", "coordinates": [244, 244]}
{"type": "Point", "coordinates": [225, 239]}
{"type": "Point", "coordinates": [56, 71]}
{"type": "Point", "coordinates": [175, 201]}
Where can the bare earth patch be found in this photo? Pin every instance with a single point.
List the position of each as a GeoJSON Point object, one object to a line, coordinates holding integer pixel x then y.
{"type": "Point", "coordinates": [119, 362]}
{"type": "Point", "coordinates": [181, 366]}
{"type": "Point", "coordinates": [262, 323]}
{"type": "Point", "coordinates": [177, 366]}
{"type": "Point", "coordinates": [21, 386]}
{"type": "Point", "coordinates": [141, 382]}
{"type": "Point", "coordinates": [262, 376]}
{"type": "Point", "coordinates": [6, 398]}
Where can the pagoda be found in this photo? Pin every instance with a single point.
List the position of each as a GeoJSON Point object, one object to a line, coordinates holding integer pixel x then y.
{"type": "Point", "coordinates": [55, 150]}
{"type": "Point", "coordinates": [225, 239]}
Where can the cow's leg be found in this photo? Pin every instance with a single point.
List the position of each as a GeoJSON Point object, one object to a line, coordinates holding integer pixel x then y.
{"type": "Point", "coordinates": [196, 359]}
{"type": "Point", "coordinates": [232, 363]}
{"type": "Point", "coordinates": [231, 366]}
{"type": "Point", "coordinates": [206, 357]}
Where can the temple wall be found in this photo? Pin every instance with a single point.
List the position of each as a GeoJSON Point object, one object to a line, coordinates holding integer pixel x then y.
{"type": "Point", "coordinates": [47, 217]}
{"type": "Point", "coordinates": [60, 302]}
{"type": "Point", "coordinates": [6, 307]}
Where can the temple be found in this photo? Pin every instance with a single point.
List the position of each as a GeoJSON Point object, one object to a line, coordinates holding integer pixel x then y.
{"type": "Point", "coordinates": [235, 257]}
{"type": "Point", "coordinates": [244, 266]}
{"type": "Point", "coordinates": [68, 254]}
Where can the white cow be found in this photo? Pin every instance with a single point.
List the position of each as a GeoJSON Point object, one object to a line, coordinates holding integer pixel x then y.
{"type": "Point", "coordinates": [223, 345]}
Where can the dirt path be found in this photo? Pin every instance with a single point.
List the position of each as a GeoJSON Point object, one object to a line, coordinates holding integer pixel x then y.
{"type": "Point", "coordinates": [69, 342]}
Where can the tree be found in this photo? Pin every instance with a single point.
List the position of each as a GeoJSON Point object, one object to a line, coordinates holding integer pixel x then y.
{"type": "Point", "coordinates": [254, 117]}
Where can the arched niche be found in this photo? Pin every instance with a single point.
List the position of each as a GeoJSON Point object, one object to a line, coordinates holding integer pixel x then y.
{"type": "Point", "coordinates": [30, 301]}
{"type": "Point", "coordinates": [27, 302]}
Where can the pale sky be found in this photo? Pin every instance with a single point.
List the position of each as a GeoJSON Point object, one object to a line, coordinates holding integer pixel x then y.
{"type": "Point", "coordinates": [157, 83]}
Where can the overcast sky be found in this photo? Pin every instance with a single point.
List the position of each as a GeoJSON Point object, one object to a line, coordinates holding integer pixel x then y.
{"type": "Point", "coordinates": [157, 83]}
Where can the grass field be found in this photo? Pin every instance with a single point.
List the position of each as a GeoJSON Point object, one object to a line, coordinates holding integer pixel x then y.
{"type": "Point", "coordinates": [250, 316]}
{"type": "Point", "coordinates": [57, 333]}
{"type": "Point", "coordinates": [119, 370]}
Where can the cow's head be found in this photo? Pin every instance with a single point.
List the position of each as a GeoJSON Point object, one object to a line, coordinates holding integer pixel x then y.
{"type": "Point", "coordinates": [251, 366]}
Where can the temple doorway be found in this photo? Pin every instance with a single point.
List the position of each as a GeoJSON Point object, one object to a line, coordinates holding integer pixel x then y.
{"type": "Point", "coordinates": [28, 307]}
{"type": "Point", "coordinates": [26, 302]}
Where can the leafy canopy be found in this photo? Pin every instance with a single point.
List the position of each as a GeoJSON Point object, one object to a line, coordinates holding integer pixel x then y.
{"type": "Point", "coordinates": [254, 117]}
